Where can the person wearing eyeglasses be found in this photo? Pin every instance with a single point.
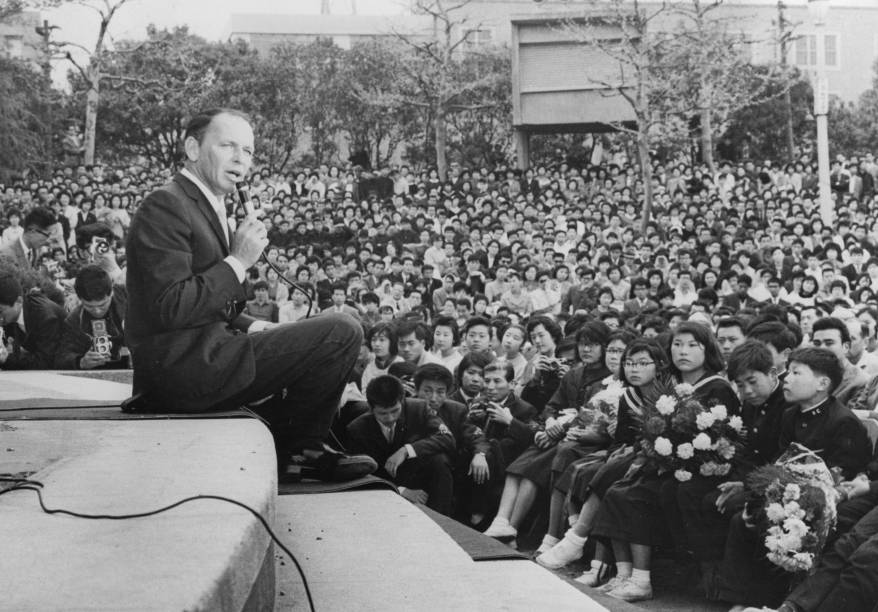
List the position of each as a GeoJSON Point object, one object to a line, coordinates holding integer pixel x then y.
{"type": "Point", "coordinates": [39, 230]}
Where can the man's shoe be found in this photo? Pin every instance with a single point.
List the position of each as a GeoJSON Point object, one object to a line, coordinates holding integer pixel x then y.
{"type": "Point", "coordinates": [327, 466]}
{"type": "Point", "coordinates": [632, 591]}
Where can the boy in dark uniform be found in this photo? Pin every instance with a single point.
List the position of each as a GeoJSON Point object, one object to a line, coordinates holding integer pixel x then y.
{"type": "Point", "coordinates": [410, 443]}
{"type": "Point", "coordinates": [819, 422]}
{"type": "Point", "coordinates": [509, 424]}
{"type": "Point", "coordinates": [432, 384]}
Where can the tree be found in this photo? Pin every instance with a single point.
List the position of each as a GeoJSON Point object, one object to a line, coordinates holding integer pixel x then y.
{"type": "Point", "coordinates": [11, 8]}
{"type": "Point", "coordinates": [708, 60]}
{"type": "Point", "coordinates": [28, 108]}
{"type": "Point", "coordinates": [145, 115]}
{"type": "Point", "coordinates": [372, 110]}
{"type": "Point", "coordinates": [436, 79]}
{"type": "Point", "coordinates": [759, 131]}
{"type": "Point", "coordinates": [641, 80]}
{"type": "Point", "coordinates": [482, 132]}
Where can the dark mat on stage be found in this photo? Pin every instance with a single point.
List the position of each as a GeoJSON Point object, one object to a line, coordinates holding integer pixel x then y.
{"type": "Point", "coordinates": [54, 409]}
{"type": "Point", "coordinates": [476, 544]}
{"type": "Point", "coordinates": [316, 486]}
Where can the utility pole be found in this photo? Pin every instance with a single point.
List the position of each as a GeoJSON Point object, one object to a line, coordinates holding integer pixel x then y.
{"type": "Point", "coordinates": [784, 37]}
{"type": "Point", "coordinates": [45, 31]}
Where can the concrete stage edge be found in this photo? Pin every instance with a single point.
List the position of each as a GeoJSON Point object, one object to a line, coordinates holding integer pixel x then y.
{"type": "Point", "coordinates": [369, 551]}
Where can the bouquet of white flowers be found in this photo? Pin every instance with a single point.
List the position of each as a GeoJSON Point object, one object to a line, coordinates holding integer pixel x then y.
{"type": "Point", "coordinates": [792, 504]}
{"type": "Point", "coordinates": [681, 434]}
{"type": "Point", "coordinates": [600, 412]}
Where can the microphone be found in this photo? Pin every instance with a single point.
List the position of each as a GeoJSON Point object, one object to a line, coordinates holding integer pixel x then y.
{"type": "Point", "coordinates": [243, 190]}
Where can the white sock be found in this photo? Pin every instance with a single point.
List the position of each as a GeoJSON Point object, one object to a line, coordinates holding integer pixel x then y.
{"type": "Point", "coordinates": [499, 521]}
{"type": "Point", "coordinates": [624, 568]}
{"type": "Point", "coordinates": [549, 540]}
{"type": "Point", "coordinates": [640, 577]}
{"type": "Point", "coordinates": [571, 537]}
{"type": "Point", "coordinates": [596, 564]}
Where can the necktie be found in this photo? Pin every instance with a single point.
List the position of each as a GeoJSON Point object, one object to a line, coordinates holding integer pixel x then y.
{"type": "Point", "coordinates": [388, 433]}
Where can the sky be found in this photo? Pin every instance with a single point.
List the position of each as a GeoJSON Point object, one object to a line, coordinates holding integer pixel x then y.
{"type": "Point", "coordinates": [207, 18]}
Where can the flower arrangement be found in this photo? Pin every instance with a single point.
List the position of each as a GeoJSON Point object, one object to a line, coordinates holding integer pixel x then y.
{"type": "Point", "coordinates": [681, 434]}
{"type": "Point", "coordinates": [600, 411]}
{"type": "Point", "coordinates": [792, 504]}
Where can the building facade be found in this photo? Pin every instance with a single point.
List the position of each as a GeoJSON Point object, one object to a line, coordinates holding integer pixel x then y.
{"type": "Point", "coordinates": [850, 33]}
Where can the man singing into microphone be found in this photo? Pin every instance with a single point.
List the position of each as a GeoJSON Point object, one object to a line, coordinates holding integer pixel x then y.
{"type": "Point", "coordinates": [192, 349]}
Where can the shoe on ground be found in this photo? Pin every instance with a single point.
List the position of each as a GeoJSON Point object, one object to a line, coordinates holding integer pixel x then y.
{"type": "Point", "coordinates": [561, 554]}
{"type": "Point", "coordinates": [614, 582]}
{"type": "Point", "coordinates": [632, 591]}
{"type": "Point", "coordinates": [501, 530]}
{"type": "Point", "coordinates": [547, 544]}
{"type": "Point", "coordinates": [594, 576]}
{"type": "Point", "coordinates": [328, 466]}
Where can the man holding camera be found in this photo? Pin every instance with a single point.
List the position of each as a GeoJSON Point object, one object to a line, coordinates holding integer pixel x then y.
{"type": "Point", "coordinates": [93, 334]}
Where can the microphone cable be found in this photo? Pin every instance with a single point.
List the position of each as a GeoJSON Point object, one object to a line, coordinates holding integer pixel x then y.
{"type": "Point", "coordinates": [26, 484]}
{"type": "Point", "coordinates": [243, 191]}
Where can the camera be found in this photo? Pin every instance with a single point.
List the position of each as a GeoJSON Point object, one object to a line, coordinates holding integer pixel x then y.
{"type": "Point", "coordinates": [555, 366]}
{"type": "Point", "coordinates": [102, 343]}
{"type": "Point", "coordinates": [99, 246]}
{"type": "Point", "coordinates": [478, 412]}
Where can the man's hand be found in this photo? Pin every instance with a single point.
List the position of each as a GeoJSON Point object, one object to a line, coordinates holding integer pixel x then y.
{"type": "Point", "coordinates": [856, 487]}
{"type": "Point", "coordinates": [478, 469]}
{"type": "Point", "coordinates": [501, 414]}
{"type": "Point", "coordinates": [416, 496]}
{"type": "Point", "coordinates": [728, 490]}
{"type": "Point", "coordinates": [575, 433]}
{"type": "Point", "coordinates": [250, 240]}
{"type": "Point", "coordinates": [92, 359]}
{"type": "Point", "coordinates": [555, 430]}
{"type": "Point", "coordinates": [409, 388]}
{"type": "Point", "coordinates": [395, 460]}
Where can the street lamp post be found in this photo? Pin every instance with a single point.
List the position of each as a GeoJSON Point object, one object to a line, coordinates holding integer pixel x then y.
{"type": "Point", "coordinates": [818, 10]}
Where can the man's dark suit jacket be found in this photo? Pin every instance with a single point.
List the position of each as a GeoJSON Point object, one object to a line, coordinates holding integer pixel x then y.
{"type": "Point", "coordinates": [76, 335]}
{"type": "Point", "coordinates": [183, 327]}
{"type": "Point", "coordinates": [417, 425]}
{"type": "Point", "coordinates": [469, 438]}
{"type": "Point", "coordinates": [509, 441]}
{"type": "Point", "coordinates": [34, 348]}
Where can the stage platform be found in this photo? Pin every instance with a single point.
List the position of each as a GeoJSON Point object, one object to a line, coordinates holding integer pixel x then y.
{"type": "Point", "coordinates": [360, 549]}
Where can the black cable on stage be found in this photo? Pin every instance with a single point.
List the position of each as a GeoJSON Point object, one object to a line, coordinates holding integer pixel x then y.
{"type": "Point", "coordinates": [25, 484]}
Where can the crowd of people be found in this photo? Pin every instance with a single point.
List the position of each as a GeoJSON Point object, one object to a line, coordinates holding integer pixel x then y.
{"type": "Point", "coordinates": [498, 307]}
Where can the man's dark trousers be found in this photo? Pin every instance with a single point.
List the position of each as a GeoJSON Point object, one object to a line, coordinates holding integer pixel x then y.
{"type": "Point", "coordinates": [315, 358]}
